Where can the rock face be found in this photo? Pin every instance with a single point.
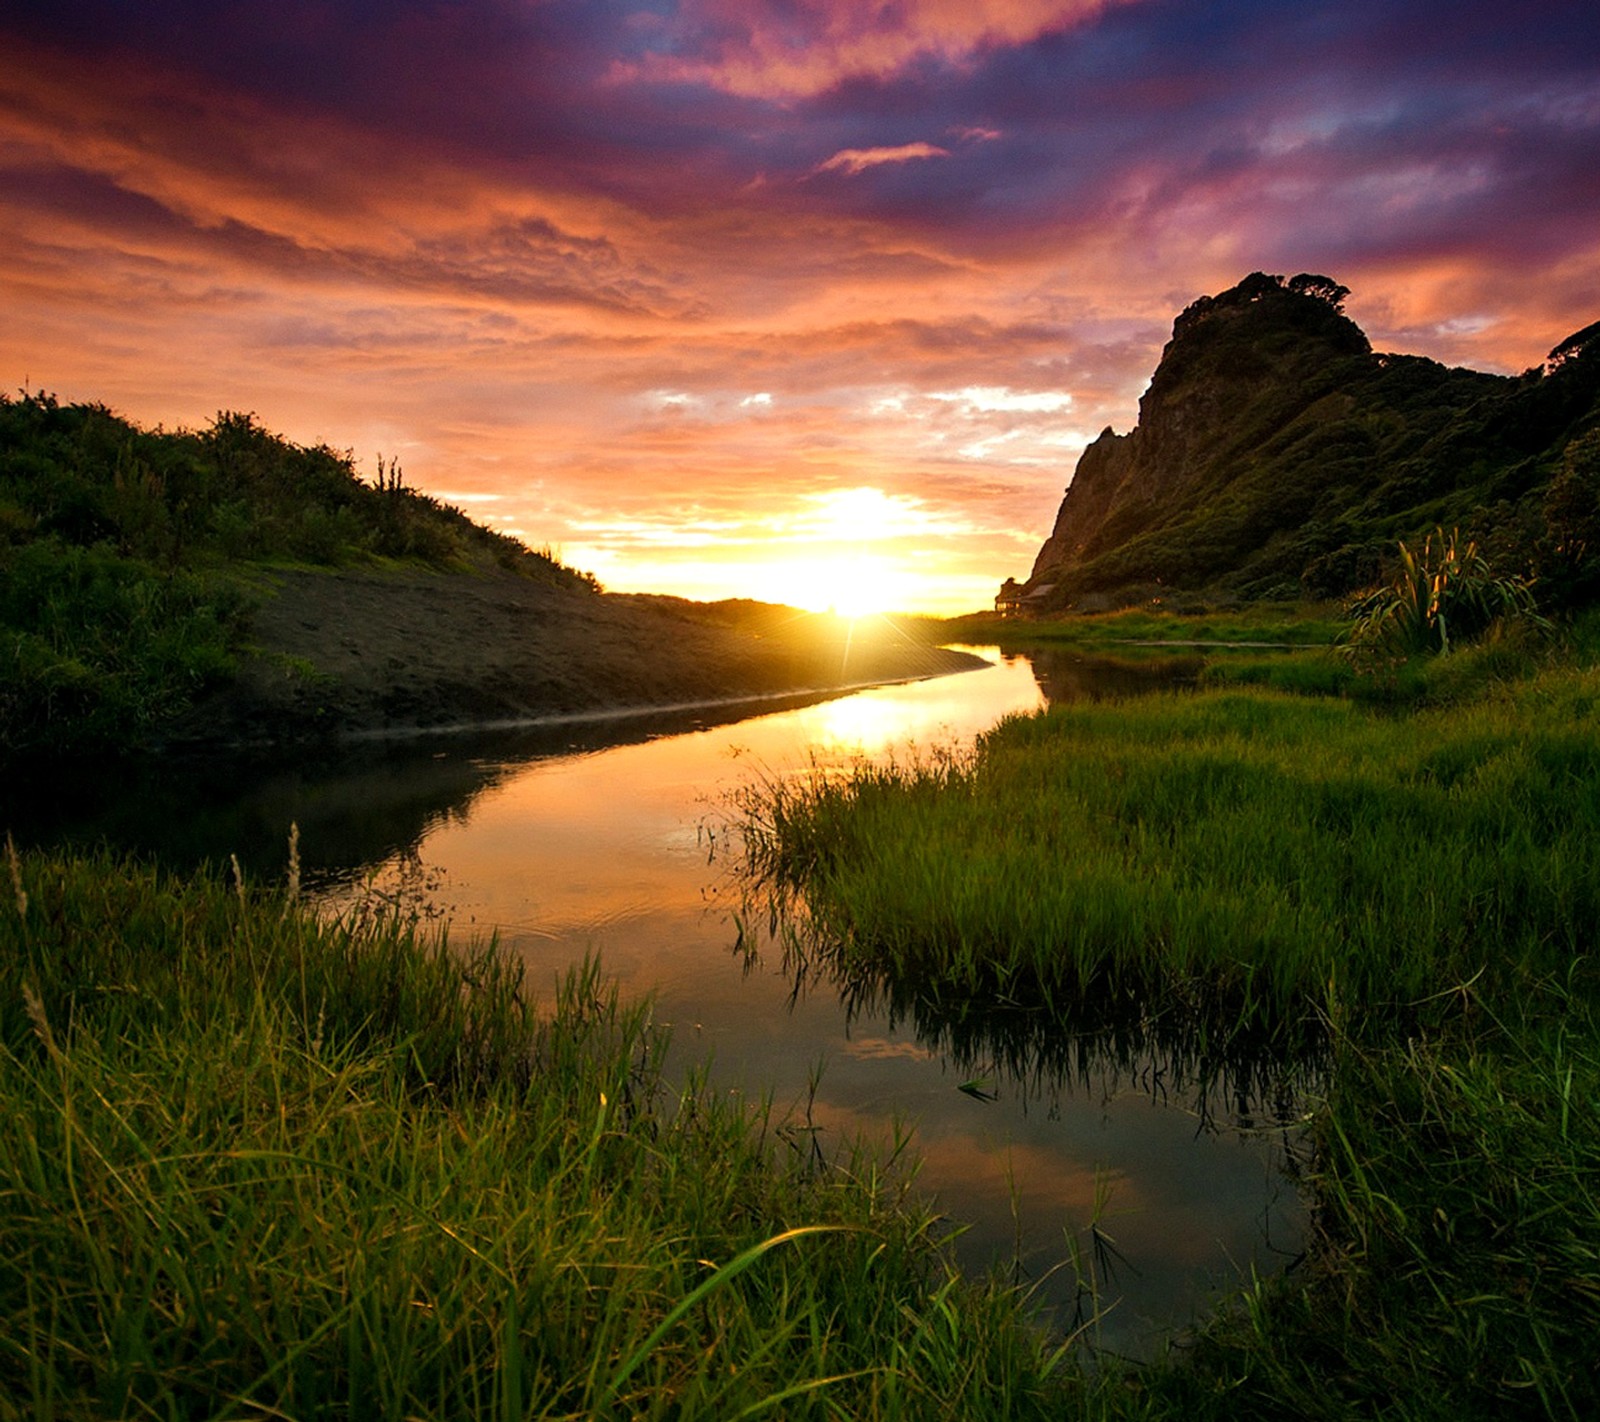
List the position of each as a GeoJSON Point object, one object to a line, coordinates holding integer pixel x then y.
{"type": "Point", "coordinates": [1277, 454]}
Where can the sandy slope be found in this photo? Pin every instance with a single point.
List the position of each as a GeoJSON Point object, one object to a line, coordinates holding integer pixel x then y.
{"type": "Point", "coordinates": [351, 652]}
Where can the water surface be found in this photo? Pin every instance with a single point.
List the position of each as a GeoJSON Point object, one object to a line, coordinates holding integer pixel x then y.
{"type": "Point", "coordinates": [567, 844]}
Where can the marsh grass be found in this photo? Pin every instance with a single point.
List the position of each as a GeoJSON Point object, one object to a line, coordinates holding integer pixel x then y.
{"type": "Point", "coordinates": [1048, 1051]}
{"type": "Point", "coordinates": [1455, 1270]}
{"type": "Point", "coordinates": [1414, 892]}
{"type": "Point", "coordinates": [256, 1164]}
{"type": "Point", "coordinates": [1247, 857]}
{"type": "Point", "coordinates": [1284, 624]}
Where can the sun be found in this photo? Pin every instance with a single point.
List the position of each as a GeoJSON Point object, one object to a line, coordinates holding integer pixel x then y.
{"type": "Point", "coordinates": [865, 593]}
{"type": "Point", "coordinates": [853, 585]}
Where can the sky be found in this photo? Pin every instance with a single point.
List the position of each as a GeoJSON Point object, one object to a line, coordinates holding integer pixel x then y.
{"type": "Point", "coordinates": [803, 300]}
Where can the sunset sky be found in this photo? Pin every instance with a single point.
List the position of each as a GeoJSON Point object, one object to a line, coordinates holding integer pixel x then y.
{"type": "Point", "coordinates": [775, 299]}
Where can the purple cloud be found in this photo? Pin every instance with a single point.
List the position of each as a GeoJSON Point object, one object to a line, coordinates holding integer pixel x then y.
{"type": "Point", "coordinates": [495, 226]}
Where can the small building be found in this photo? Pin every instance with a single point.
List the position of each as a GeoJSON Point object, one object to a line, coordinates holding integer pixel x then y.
{"type": "Point", "coordinates": [1016, 600]}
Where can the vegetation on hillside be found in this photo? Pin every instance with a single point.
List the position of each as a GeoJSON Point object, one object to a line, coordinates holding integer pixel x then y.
{"type": "Point", "coordinates": [1278, 456]}
{"type": "Point", "coordinates": [125, 556]}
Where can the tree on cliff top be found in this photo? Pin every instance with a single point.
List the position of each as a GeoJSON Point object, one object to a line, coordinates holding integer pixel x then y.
{"type": "Point", "coordinates": [1260, 286]}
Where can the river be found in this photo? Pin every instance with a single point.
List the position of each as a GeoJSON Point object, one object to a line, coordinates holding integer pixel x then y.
{"type": "Point", "coordinates": [576, 841]}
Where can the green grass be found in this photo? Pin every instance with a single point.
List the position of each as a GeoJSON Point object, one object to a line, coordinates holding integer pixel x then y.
{"type": "Point", "coordinates": [1442, 595]}
{"type": "Point", "coordinates": [99, 649]}
{"type": "Point", "coordinates": [1410, 891]}
{"type": "Point", "coordinates": [257, 1164]}
{"type": "Point", "coordinates": [1455, 1270]}
{"type": "Point", "coordinates": [1278, 857]}
{"type": "Point", "coordinates": [253, 1164]}
{"type": "Point", "coordinates": [1288, 623]}
{"type": "Point", "coordinates": [127, 558]}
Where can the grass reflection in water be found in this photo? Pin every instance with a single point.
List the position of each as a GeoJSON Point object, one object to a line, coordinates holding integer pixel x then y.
{"type": "Point", "coordinates": [1108, 1240]}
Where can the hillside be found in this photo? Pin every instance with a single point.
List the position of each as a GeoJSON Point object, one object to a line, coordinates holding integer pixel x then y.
{"type": "Point", "coordinates": [1277, 455]}
{"type": "Point", "coordinates": [227, 586]}
{"type": "Point", "coordinates": [394, 650]}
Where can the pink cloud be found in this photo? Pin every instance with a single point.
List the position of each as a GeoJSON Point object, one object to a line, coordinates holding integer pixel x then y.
{"type": "Point", "coordinates": [500, 268]}
{"type": "Point", "coordinates": [777, 50]}
{"type": "Point", "coordinates": [858, 160]}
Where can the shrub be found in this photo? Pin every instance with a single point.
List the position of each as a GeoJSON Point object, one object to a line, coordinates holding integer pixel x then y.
{"type": "Point", "coordinates": [1443, 594]}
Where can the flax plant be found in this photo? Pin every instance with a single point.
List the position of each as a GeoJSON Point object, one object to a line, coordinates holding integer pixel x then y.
{"type": "Point", "coordinates": [1442, 595]}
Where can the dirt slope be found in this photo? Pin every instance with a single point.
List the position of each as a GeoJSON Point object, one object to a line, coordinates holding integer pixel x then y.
{"type": "Point", "coordinates": [337, 653]}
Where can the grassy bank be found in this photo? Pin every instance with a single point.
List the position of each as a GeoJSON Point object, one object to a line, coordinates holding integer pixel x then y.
{"type": "Point", "coordinates": [253, 1164]}
{"type": "Point", "coordinates": [1288, 624]}
{"type": "Point", "coordinates": [1269, 856]}
{"type": "Point", "coordinates": [129, 559]}
{"type": "Point", "coordinates": [1414, 894]}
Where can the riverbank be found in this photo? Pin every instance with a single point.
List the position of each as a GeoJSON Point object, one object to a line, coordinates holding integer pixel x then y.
{"type": "Point", "coordinates": [226, 588]}
{"type": "Point", "coordinates": [338, 653]}
{"type": "Point", "coordinates": [1408, 890]}
{"type": "Point", "coordinates": [1452, 1266]}
{"type": "Point", "coordinates": [257, 1163]}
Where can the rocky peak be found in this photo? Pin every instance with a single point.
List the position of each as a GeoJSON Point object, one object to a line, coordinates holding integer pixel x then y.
{"type": "Point", "coordinates": [1266, 342]}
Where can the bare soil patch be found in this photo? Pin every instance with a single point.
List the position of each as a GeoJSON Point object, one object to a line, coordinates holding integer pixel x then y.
{"type": "Point", "coordinates": [350, 652]}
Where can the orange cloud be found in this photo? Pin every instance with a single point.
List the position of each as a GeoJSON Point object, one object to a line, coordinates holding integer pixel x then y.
{"type": "Point", "coordinates": [580, 308]}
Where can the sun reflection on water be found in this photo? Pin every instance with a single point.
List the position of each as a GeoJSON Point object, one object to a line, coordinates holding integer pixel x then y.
{"type": "Point", "coordinates": [606, 853]}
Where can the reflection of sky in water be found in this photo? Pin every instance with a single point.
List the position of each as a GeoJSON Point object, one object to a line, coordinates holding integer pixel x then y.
{"type": "Point", "coordinates": [574, 843]}
{"type": "Point", "coordinates": [610, 853]}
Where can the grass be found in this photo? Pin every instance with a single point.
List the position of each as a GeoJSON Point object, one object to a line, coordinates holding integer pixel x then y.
{"type": "Point", "coordinates": [129, 559]}
{"type": "Point", "coordinates": [1282, 623]}
{"type": "Point", "coordinates": [1455, 1265]}
{"type": "Point", "coordinates": [1411, 890]}
{"type": "Point", "coordinates": [257, 1164]}
{"type": "Point", "coordinates": [100, 648]}
{"type": "Point", "coordinates": [1268, 856]}
{"type": "Point", "coordinates": [253, 1164]}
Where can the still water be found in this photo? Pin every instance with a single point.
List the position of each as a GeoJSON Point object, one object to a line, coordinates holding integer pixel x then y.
{"type": "Point", "coordinates": [572, 842]}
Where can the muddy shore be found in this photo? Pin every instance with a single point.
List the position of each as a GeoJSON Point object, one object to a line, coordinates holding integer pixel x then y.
{"type": "Point", "coordinates": [362, 653]}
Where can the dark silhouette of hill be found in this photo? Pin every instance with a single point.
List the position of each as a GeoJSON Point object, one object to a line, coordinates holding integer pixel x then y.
{"type": "Point", "coordinates": [1277, 455]}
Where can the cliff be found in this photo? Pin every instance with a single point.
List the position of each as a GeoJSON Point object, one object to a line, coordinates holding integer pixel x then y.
{"type": "Point", "coordinates": [1276, 454]}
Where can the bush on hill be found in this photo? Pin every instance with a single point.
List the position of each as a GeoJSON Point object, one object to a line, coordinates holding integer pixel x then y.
{"type": "Point", "coordinates": [89, 478]}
